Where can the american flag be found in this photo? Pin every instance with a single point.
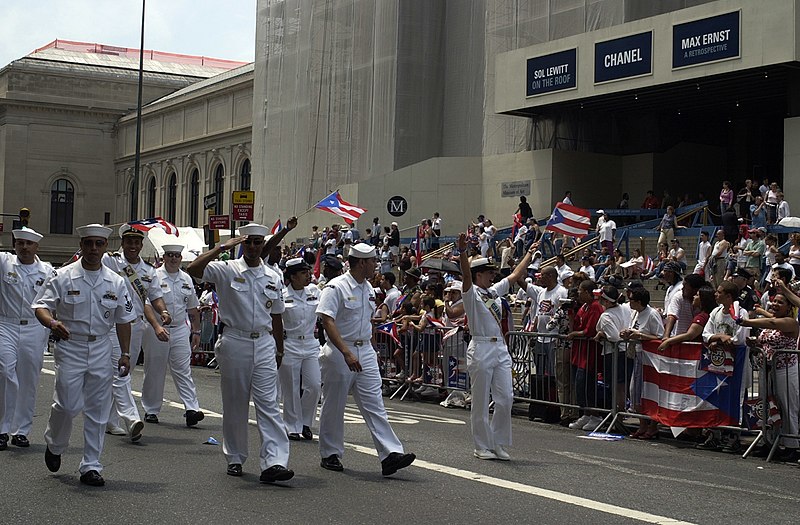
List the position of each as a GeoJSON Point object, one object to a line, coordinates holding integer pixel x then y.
{"type": "Point", "coordinates": [689, 385]}
{"type": "Point", "coordinates": [146, 225]}
{"type": "Point", "coordinates": [336, 205]}
{"type": "Point", "coordinates": [569, 220]}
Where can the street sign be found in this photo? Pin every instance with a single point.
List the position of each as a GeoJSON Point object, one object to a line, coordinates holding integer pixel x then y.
{"type": "Point", "coordinates": [243, 204]}
{"type": "Point", "coordinates": [219, 222]}
{"type": "Point", "coordinates": [209, 201]}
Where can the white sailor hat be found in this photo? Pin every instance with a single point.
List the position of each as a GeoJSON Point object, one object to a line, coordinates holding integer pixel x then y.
{"type": "Point", "coordinates": [93, 230]}
{"type": "Point", "coordinates": [297, 264]}
{"type": "Point", "coordinates": [600, 212]}
{"type": "Point", "coordinates": [254, 229]}
{"type": "Point", "coordinates": [27, 234]}
{"type": "Point", "coordinates": [454, 285]}
{"type": "Point", "coordinates": [482, 264]}
{"type": "Point", "coordinates": [126, 230]}
{"type": "Point", "coordinates": [362, 251]}
{"type": "Point", "coordinates": [175, 248]}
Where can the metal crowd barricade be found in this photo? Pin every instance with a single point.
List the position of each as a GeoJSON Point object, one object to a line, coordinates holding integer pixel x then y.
{"type": "Point", "coordinates": [779, 409]}
{"type": "Point", "coordinates": [544, 377]}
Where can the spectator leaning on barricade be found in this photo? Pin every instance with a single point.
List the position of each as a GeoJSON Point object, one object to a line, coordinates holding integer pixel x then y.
{"type": "Point", "coordinates": [561, 323]}
{"type": "Point", "coordinates": [584, 357]}
{"type": "Point", "coordinates": [612, 322]}
{"type": "Point", "coordinates": [722, 333]}
{"type": "Point", "coordinates": [545, 299]}
{"type": "Point", "coordinates": [488, 359]}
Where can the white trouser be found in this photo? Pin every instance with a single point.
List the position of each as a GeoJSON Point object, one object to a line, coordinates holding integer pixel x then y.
{"type": "Point", "coordinates": [247, 366]}
{"type": "Point", "coordinates": [124, 406]}
{"type": "Point", "coordinates": [337, 381]}
{"type": "Point", "coordinates": [176, 353]}
{"type": "Point", "coordinates": [21, 355]}
{"type": "Point", "coordinates": [785, 387]}
{"type": "Point", "coordinates": [489, 366]}
{"type": "Point", "coordinates": [300, 361]}
{"type": "Point", "coordinates": [83, 383]}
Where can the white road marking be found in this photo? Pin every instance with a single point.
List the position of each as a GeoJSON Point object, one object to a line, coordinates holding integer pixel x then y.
{"type": "Point", "coordinates": [501, 483]}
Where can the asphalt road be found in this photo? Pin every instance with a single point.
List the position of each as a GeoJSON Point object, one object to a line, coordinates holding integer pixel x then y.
{"type": "Point", "coordinates": [171, 476]}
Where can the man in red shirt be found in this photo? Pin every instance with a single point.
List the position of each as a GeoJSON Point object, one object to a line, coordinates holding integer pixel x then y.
{"type": "Point", "coordinates": [651, 202]}
{"type": "Point", "coordinates": [584, 355]}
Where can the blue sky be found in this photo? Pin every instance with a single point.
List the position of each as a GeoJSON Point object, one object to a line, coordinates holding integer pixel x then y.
{"type": "Point", "coordinates": [212, 28]}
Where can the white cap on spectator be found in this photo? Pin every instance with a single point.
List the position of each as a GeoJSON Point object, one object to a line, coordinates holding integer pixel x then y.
{"type": "Point", "coordinates": [454, 285]}
{"type": "Point", "coordinates": [394, 224]}
{"type": "Point", "coordinates": [362, 251]}
{"type": "Point", "coordinates": [600, 212]}
{"type": "Point", "coordinates": [93, 230]}
{"type": "Point", "coordinates": [254, 229]}
{"type": "Point", "coordinates": [27, 234]}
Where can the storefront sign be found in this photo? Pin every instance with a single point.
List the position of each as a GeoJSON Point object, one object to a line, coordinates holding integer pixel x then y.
{"type": "Point", "coordinates": [515, 188]}
{"type": "Point", "coordinates": [626, 57]}
{"type": "Point", "coordinates": [555, 72]}
{"type": "Point", "coordinates": [706, 40]}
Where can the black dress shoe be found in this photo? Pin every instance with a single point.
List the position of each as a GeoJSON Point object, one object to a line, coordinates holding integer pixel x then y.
{"type": "Point", "coordinates": [235, 469]}
{"type": "Point", "coordinates": [20, 441]}
{"type": "Point", "coordinates": [276, 473]}
{"type": "Point", "coordinates": [193, 417]}
{"type": "Point", "coordinates": [53, 461]}
{"type": "Point", "coordinates": [395, 461]}
{"type": "Point", "coordinates": [3, 441]}
{"type": "Point", "coordinates": [307, 434]}
{"type": "Point", "coordinates": [332, 463]}
{"type": "Point", "coordinates": [294, 436]}
{"type": "Point", "coordinates": [92, 478]}
{"type": "Point", "coordinates": [151, 418]}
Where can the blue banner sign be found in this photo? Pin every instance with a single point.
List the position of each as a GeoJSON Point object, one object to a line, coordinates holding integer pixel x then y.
{"type": "Point", "coordinates": [626, 57]}
{"type": "Point", "coordinates": [706, 40]}
{"type": "Point", "coordinates": [555, 72]}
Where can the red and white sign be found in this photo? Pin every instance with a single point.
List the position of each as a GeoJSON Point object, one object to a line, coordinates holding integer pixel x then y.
{"type": "Point", "coordinates": [219, 222]}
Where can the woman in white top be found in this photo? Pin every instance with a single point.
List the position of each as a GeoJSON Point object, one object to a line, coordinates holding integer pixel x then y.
{"type": "Point", "coordinates": [794, 253]}
{"type": "Point", "coordinates": [386, 259]}
{"type": "Point", "coordinates": [301, 351]}
{"type": "Point", "coordinates": [646, 324]}
{"type": "Point", "coordinates": [612, 322]}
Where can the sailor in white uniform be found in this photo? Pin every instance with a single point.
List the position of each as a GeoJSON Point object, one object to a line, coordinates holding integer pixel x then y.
{"type": "Point", "coordinates": [80, 304]}
{"type": "Point", "coordinates": [348, 361]}
{"type": "Point", "coordinates": [22, 339]}
{"type": "Point", "coordinates": [251, 341]}
{"type": "Point", "coordinates": [181, 301]}
{"type": "Point", "coordinates": [300, 364]}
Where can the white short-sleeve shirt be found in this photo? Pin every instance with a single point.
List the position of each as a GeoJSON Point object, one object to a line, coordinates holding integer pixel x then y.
{"type": "Point", "coordinates": [19, 284]}
{"type": "Point", "coordinates": [479, 304]}
{"type": "Point", "coordinates": [350, 304]}
{"type": "Point", "coordinates": [147, 276]}
{"type": "Point", "coordinates": [178, 294]}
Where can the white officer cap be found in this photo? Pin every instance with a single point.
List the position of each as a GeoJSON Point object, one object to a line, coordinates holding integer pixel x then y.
{"type": "Point", "coordinates": [482, 263]}
{"type": "Point", "coordinates": [454, 285]}
{"type": "Point", "coordinates": [297, 264]}
{"type": "Point", "coordinates": [126, 230]}
{"type": "Point", "coordinates": [27, 234]}
{"type": "Point", "coordinates": [172, 248]}
{"type": "Point", "coordinates": [93, 230]}
{"type": "Point", "coordinates": [254, 230]}
{"type": "Point", "coordinates": [362, 251]}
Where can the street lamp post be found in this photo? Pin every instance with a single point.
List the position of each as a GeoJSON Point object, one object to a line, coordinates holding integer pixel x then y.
{"type": "Point", "coordinates": [137, 155]}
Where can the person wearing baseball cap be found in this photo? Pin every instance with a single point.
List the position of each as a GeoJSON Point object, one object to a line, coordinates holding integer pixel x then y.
{"type": "Point", "coordinates": [22, 339]}
{"type": "Point", "coordinates": [80, 304]}
{"type": "Point", "coordinates": [672, 276]}
{"type": "Point", "coordinates": [184, 337]}
{"type": "Point", "coordinates": [348, 363]}
{"type": "Point", "coordinates": [488, 359]}
{"type": "Point", "coordinates": [249, 349]}
{"type": "Point", "coordinates": [299, 371]}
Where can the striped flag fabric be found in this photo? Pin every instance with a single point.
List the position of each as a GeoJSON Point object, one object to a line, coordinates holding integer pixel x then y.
{"type": "Point", "coordinates": [334, 203]}
{"type": "Point", "coordinates": [689, 385]}
{"type": "Point", "coordinates": [276, 227]}
{"type": "Point", "coordinates": [389, 329]}
{"type": "Point", "coordinates": [648, 264]}
{"type": "Point", "coordinates": [146, 225]}
{"type": "Point", "coordinates": [569, 220]}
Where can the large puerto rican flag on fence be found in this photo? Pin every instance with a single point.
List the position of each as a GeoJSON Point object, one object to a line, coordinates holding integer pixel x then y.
{"type": "Point", "coordinates": [692, 386]}
{"type": "Point", "coordinates": [146, 225]}
{"type": "Point", "coordinates": [569, 220]}
{"type": "Point", "coordinates": [335, 204]}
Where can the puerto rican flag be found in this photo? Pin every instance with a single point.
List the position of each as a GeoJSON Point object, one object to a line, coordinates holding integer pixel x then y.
{"type": "Point", "coordinates": [691, 386]}
{"type": "Point", "coordinates": [648, 264]}
{"type": "Point", "coordinates": [569, 220]}
{"type": "Point", "coordinates": [389, 329]}
{"type": "Point", "coordinates": [276, 227]}
{"type": "Point", "coordinates": [336, 205]}
{"type": "Point", "coordinates": [154, 222]}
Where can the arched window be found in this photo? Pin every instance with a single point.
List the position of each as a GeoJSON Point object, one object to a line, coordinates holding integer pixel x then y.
{"type": "Point", "coordinates": [134, 211]}
{"type": "Point", "coordinates": [172, 197]}
{"type": "Point", "coordinates": [151, 198]}
{"type": "Point", "coordinates": [244, 176]}
{"type": "Point", "coordinates": [194, 198]}
{"type": "Point", "coordinates": [219, 188]}
{"type": "Point", "coordinates": [62, 197]}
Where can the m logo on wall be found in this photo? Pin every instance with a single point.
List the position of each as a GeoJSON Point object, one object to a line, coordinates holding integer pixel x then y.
{"type": "Point", "coordinates": [397, 206]}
